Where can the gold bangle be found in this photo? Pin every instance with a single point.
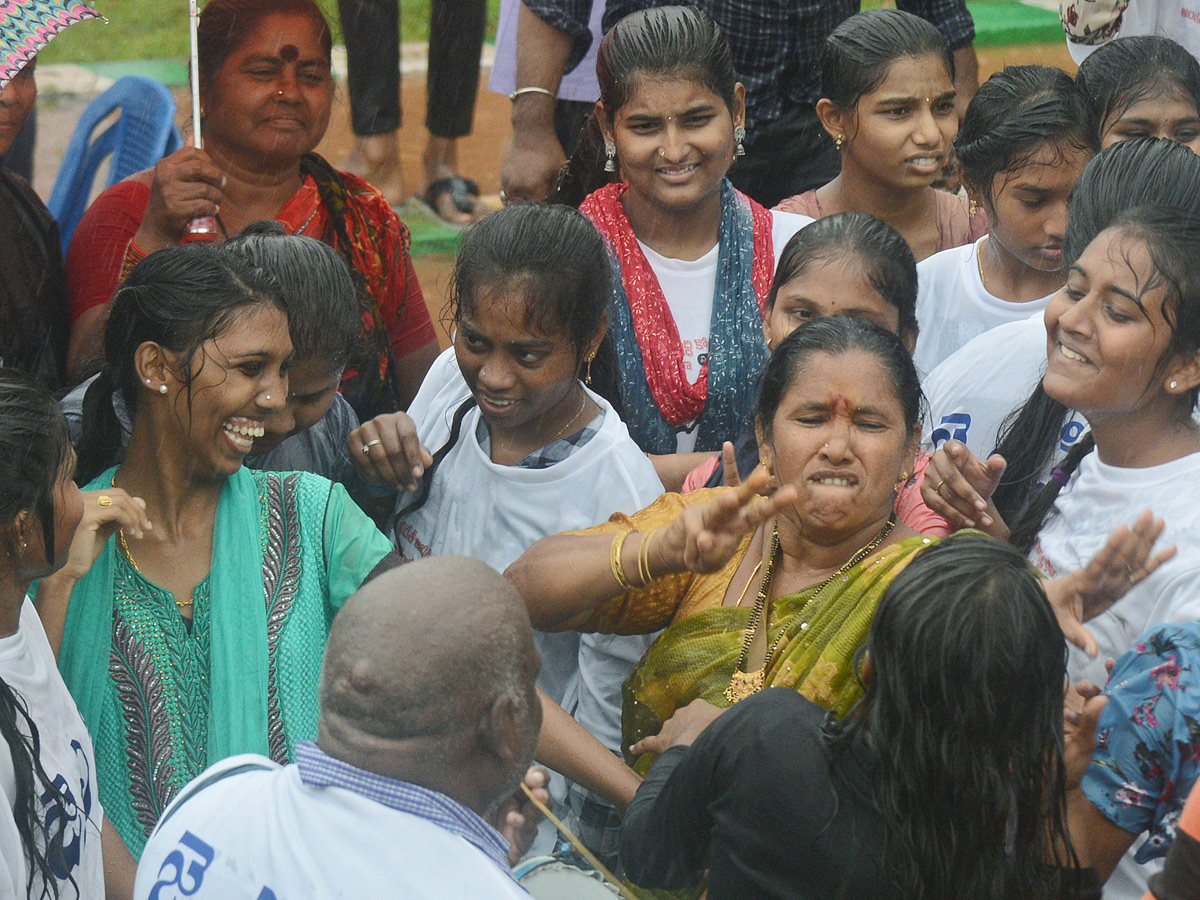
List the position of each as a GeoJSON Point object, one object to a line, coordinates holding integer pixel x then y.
{"type": "Point", "coordinates": [615, 560]}
{"type": "Point", "coordinates": [644, 558]}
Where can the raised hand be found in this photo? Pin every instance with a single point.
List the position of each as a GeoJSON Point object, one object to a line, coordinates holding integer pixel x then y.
{"type": "Point", "coordinates": [1126, 559]}
{"type": "Point", "coordinates": [103, 513]}
{"type": "Point", "coordinates": [703, 538]}
{"type": "Point", "coordinates": [186, 184]}
{"type": "Point", "coordinates": [386, 450]}
{"type": "Point", "coordinates": [958, 486]}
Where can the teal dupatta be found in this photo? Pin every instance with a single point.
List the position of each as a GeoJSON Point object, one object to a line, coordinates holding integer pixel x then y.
{"type": "Point", "coordinates": [237, 721]}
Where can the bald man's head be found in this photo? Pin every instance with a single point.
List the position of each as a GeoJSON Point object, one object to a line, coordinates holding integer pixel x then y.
{"type": "Point", "coordinates": [425, 649]}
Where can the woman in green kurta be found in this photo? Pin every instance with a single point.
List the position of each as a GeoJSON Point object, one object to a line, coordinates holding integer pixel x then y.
{"type": "Point", "coordinates": [201, 636]}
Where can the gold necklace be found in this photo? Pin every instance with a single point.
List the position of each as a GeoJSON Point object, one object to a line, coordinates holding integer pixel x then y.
{"type": "Point", "coordinates": [182, 604]}
{"type": "Point", "coordinates": [742, 683]}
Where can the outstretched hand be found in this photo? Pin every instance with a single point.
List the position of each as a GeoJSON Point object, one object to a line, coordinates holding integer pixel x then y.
{"type": "Point", "coordinates": [1125, 560]}
{"type": "Point", "coordinates": [958, 486]}
{"type": "Point", "coordinates": [704, 537]}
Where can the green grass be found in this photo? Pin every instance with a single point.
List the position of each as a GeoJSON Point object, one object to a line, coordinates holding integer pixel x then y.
{"type": "Point", "coordinates": [157, 29]}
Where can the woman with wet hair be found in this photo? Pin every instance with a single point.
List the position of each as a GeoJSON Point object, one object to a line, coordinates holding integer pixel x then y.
{"type": "Point", "coordinates": [887, 101]}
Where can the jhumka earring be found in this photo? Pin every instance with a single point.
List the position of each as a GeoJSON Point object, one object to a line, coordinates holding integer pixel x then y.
{"type": "Point", "coordinates": [973, 209]}
{"type": "Point", "coordinates": [739, 135]}
{"type": "Point", "coordinates": [587, 372]}
{"type": "Point", "coordinates": [610, 152]}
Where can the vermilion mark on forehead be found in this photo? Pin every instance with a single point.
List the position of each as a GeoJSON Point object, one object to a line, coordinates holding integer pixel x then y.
{"type": "Point", "coordinates": [289, 52]}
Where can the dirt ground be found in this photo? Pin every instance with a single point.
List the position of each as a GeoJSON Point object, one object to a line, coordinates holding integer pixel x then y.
{"type": "Point", "coordinates": [480, 154]}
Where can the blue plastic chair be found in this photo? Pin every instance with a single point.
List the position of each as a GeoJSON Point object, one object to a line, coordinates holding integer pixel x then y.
{"type": "Point", "coordinates": [144, 133]}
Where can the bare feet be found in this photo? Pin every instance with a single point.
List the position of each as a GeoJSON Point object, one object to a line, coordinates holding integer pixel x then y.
{"type": "Point", "coordinates": [377, 159]}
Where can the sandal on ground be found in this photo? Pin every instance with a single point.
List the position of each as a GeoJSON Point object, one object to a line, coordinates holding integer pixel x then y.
{"type": "Point", "coordinates": [463, 193]}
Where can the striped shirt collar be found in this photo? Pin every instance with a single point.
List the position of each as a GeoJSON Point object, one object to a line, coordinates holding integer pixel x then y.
{"type": "Point", "coordinates": [319, 769]}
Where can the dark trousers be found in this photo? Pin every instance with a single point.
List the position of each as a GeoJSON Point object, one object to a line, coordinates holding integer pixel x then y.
{"type": "Point", "coordinates": [372, 33]}
{"type": "Point", "coordinates": [789, 156]}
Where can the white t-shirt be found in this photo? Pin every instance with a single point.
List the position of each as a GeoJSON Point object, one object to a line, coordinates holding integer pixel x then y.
{"type": "Point", "coordinates": [977, 387]}
{"type": "Point", "coordinates": [1097, 499]}
{"type": "Point", "coordinates": [688, 287]}
{"type": "Point", "coordinates": [27, 665]}
{"type": "Point", "coordinates": [1178, 21]}
{"type": "Point", "coordinates": [265, 835]}
{"type": "Point", "coordinates": [578, 84]}
{"type": "Point", "coordinates": [953, 306]}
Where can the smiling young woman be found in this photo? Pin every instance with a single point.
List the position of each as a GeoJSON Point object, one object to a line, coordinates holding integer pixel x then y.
{"type": "Point", "coordinates": [214, 603]}
{"type": "Point", "coordinates": [887, 88]}
{"type": "Point", "coordinates": [693, 258]}
{"type": "Point", "coordinates": [266, 92]}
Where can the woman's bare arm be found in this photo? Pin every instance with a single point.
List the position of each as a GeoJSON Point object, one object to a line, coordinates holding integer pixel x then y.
{"type": "Point", "coordinates": [568, 748]}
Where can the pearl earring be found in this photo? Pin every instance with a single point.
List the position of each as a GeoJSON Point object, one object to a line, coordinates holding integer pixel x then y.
{"type": "Point", "coordinates": [162, 388]}
{"type": "Point", "coordinates": [1173, 385]}
{"type": "Point", "coordinates": [147, 382]}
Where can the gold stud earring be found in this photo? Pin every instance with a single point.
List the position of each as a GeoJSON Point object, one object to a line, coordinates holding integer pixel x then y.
{"type": "Point", "coordinates": [838, 141]}
{"type": "Point", "coordinates": [973, 209]}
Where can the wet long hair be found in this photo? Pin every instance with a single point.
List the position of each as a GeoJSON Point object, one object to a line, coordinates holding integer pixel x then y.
{"type": "Point", "coordinates": [1016, 113]}
{"type": "Point", "coordinates": [315, 285]}
{"type": "Point", "coordinates": [34, 448]}
{"type": "Point", "coordinates": [177, 298]}
{"type": "Point", "coordinates": [1172, 238]}
{"type": "Point", "coordinates": [1128, 70]}
{"type": "Point", "coordinates": [226, 24]}
{"type": "Point", "coordinates": [885, 258]}
{"type": "Point", "coordinates": [859, 53]}
{"type": "Point", "coordinates": [1127, 174]}
{"type": "Point", "coordinates": [965, 714]}
{"type": "Point", "coordinates": [676, 42]}
{"type": "Point", "coordinates": [838, 335]}
{"type": "Point", "coordinates": [551, 258]}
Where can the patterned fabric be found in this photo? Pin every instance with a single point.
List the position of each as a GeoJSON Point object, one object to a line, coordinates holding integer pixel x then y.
{"type": "Point", "coordinates": [1148, 743]}
{"type": "Point", "coordinates": [775, 44]}
{"type": "Point", "coordinates": [695, 657]}
{"type": "Point", "coordinates": [554, 452]}
{"type": "Point", "coordinates": [318, 769]}
{"type": "Point", "coordinates": [655, 392]}
{"type": "Point", "coordinates": [1091, 22]}
{"type": "Point", "coordinates": [26, 26]}
{"type": "Point", "coordinates": [352, 217]}
{"type": "Point", "coordinates": [160, 710]}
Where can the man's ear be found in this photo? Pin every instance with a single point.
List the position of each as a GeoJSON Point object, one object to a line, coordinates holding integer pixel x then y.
{"type": "Point", "coordinates": [500, 730]}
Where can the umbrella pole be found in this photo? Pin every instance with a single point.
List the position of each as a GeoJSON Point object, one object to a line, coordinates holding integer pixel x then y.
{"type": "Point", "coordinates": [194, 29]}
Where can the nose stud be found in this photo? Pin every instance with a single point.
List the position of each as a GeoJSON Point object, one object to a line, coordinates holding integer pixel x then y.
{"type": "Point", "coordinates": [268, 396]}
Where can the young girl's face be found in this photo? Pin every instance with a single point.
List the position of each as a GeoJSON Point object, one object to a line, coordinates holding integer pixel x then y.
{"type": "Point", "coordinates": [828, 287]}
{"type": "Point", "coordinates": [901, 132]}
{"type": "Point", "coordinates": [1107, 333]}
{"type": "Point", "coordinates": [674, 140]}
{"type": "Point", "coordinates": [1027, 210]}
{"type": "Point", "coordinates": [1170, 116]}
{"type": "Point", "coordinates": [521, 375]}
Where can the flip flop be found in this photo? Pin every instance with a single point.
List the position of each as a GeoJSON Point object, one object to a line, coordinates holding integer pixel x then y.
{"type": "Point", "coordinates": [463, 193]}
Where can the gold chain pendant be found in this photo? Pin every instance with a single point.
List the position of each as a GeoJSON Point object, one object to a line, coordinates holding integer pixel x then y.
{"type": "Point", "coordinates": [743, 684]}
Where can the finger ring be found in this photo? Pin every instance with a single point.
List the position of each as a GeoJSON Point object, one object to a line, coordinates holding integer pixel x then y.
{"type": "Point", "coordinates": [369, 444]}
{"type": "Point", "coordinates": [104, 500]}
{"type": "Point", "coordinates": [938, 490]}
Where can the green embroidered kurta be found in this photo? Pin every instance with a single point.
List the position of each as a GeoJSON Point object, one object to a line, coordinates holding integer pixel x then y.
{"type": "Point", "coordinates": [163, 702]}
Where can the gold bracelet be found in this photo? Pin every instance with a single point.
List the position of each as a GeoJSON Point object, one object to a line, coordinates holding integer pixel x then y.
{"type": "Point", "coordinates": [644, 558]}
{"type": "Point", "coordinates": [618, 570]}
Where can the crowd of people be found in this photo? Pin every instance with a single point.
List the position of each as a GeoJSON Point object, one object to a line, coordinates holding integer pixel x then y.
{"type": "Point", "coordinates": [819, 524]}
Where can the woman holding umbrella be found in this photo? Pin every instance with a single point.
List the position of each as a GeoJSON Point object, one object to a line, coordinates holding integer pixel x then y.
{"type": "Point", "coordinates": [266, 92]}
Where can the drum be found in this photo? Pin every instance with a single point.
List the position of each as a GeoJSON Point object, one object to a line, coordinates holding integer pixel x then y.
{"type": "Point", "coordinates": [548, 878]}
